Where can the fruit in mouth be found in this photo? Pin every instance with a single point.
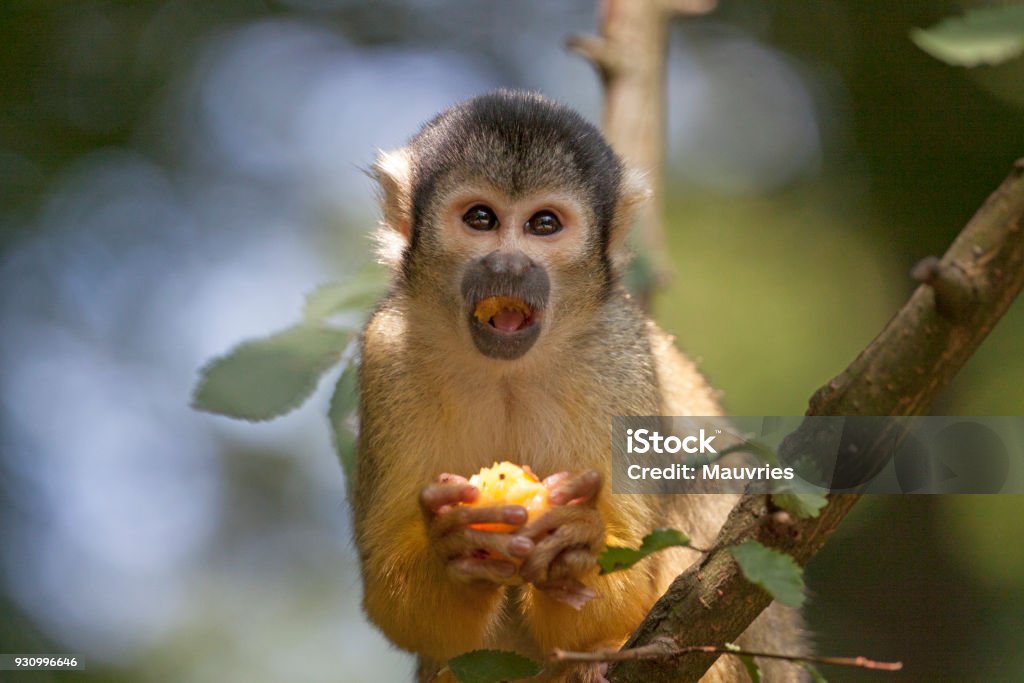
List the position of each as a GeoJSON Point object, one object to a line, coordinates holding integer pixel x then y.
{"type": "Point", "coordinates": [504, 313]}
{"type": "Point", "coordinates": [506, 483]}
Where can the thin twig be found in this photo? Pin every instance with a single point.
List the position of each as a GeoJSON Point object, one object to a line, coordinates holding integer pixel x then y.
{"type": "Point", "coordinates": [661, 650]}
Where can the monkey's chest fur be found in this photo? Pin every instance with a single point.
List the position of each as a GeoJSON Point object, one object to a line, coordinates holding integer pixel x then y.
{"type": "Point", "coordinates": [551, 412]}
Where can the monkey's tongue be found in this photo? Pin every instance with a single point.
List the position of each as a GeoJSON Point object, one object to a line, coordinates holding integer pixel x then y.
{"type": "Point", "coordinates": [508, 320]}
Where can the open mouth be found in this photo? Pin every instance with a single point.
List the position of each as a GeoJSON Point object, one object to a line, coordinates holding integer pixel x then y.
{"type": "Point", "coordinates": [505, 314]}
{"type": "Point", "coordinates": [504, 326]}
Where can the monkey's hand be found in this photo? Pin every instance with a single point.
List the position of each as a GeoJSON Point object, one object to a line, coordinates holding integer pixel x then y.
{"type": "Point", "coordinates": [470, 555]}
{"type": "Point", "coordinates": [568, 538]}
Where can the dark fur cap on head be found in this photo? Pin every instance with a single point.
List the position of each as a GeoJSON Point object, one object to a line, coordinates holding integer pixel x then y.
{"type": "Point", "coordinates": [519, 142]}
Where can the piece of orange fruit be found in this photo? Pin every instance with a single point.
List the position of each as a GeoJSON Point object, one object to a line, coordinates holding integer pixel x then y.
{"type": "Point", "coordinates": [492, 305]}
{"type": "Point", "coordinates": [506, 483]}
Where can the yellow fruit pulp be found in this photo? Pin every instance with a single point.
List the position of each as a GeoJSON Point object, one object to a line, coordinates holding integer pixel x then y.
{"type": "Point", "coordinates": [506, 483]}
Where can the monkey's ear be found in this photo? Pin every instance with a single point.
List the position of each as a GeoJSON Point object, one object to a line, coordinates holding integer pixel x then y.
{"type": "Point", "coordinates": [635, 192]}
{"type": "Point", "coordinates": [393, 173]}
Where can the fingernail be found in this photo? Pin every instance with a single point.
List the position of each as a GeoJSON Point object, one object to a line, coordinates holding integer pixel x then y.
{"type": "Point", "coordinates": [521, 546]}
{"type": "Point", "coordinates": [515, 515]}
{"type": "Point", "coordinates": [558, 497]}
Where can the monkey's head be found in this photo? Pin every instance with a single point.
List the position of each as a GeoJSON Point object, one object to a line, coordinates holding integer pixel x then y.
{"type": "Point", "coordinates": [505, 218]}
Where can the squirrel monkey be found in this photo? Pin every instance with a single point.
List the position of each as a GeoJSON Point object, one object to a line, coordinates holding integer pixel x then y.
{"type": "Point", "coordinates": [510, 194]}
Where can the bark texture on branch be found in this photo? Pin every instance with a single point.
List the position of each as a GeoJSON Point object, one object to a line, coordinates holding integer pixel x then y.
{"type": "Point", "coordinates": [900, 373]}
{"type": "Point", "coordinates": [630, 56]}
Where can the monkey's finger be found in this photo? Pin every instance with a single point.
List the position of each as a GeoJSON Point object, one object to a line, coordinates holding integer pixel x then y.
{"type": "Point", "coordinates": [569, 592]}
{"type": "Point", "coordinates": [561, 516]}
{"type": "Point", "coordinates": [577, 490]}
{"type": "Point", "coordinates": [585, 531]}
{"type": "Point", "coordinates": [468, 570]}
{"type": "Point", "coordinates": [541, 566]}
{"type": "Point", "coordinates": [437, 496]}
{"type": "Point", "coordinates": [496, 544]}
{"type": "Point", "coordinates": [448, 478]}
{"type": "Point", "coordinates": [555, 479]}
{"type": "Point", "coordinates": [536, 568]}
{"type": "Point", "coordinates": [459, 517]}
{"type": "Point", "coordinates": [572, 563]}
{"type": "Point", "coordinates": [483, 545]}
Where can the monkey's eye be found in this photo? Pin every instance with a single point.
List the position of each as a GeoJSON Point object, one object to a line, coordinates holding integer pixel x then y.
{"type": "Point", "coordinates": [543, 223]}
{"type": "Point", "coordinates": [480, 218]}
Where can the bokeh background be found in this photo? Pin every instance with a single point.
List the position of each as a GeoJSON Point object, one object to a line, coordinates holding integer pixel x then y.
{"type": "Point", "coordinates": [176, 174]}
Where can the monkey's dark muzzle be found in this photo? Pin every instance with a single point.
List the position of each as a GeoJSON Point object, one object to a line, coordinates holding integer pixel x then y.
{"type": "Point", "coordinates": [505, 294]}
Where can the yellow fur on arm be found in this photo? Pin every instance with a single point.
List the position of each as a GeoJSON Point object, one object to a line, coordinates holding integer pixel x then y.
{"type": "Point", "coordinates": [623, 599]}
{"type": "Point", "coordinates": [409, 595]}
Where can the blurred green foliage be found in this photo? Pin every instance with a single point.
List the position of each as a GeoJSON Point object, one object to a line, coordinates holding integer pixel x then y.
{"type": "Point", "coordinates": [984, 35]}
{"type": "Point", "coordinates": [265, 378]}
{"type": "Point", "coordinates": [492, 666]}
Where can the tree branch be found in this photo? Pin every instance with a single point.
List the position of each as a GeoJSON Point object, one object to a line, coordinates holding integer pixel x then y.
{"type": "Point", "coordinates": [630, 57]}
{"type": "Point", "coordinates": [900, 373]}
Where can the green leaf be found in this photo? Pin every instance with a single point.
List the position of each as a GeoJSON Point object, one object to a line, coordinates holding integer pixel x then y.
{"type": "Point", "coordinates": [264, 378]}
{"type": "Point", "coordinates": [659, 539]}
{"type": "Point", "coordinates": [985, 35]}
{"type": "Point", "coordinates": [354, 295]}
{"type": "Point", "coordinates": [753, 670]}
{"type": "Point", "coordinates": [816, 676]}
{"type": "Point", "coordinates": [344, 402]}
{"type": "Point", "coordinates": [801, 504]}
{"type": "Point", "coordinates": [776, 572]}
{"type": "Point", "coordinates": [616, 558]}
{"type": "Point", "coordinates": [492, 666]}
